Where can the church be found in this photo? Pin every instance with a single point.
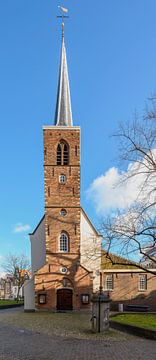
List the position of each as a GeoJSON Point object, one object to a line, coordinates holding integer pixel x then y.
{"type": "Point", "coordinates": [65, 246]}
{"type": "Point", "coordinates": [68, 263]}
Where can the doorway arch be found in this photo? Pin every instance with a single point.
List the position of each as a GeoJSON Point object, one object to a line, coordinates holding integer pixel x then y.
{"type": "Point", "coordinates": [64, 299]}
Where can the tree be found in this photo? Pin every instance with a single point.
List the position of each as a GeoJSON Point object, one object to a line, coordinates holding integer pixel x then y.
{"type": "Point", "coordinates": [19, 267]}
{"type": "Point", "coordinates": [131, 231]}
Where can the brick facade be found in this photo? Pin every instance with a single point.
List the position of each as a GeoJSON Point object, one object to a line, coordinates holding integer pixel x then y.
{"type": "Point", "coordinates": [126, 289]}
{"type": "Point", "coordinates": [64, 196]}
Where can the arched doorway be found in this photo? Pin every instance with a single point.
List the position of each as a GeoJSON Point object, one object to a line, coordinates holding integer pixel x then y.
{"type": "Point", "coordinates": [64, 299]}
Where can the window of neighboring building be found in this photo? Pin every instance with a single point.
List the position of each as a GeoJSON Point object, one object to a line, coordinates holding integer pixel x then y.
{"type": "Point", "coordinates": [62, 179]}
{"type": "Point", "coordinates": [142, 282]}
{"type": "Point", "coordinates": [63, 212]}
{"type": "Point", "coordinates": [64, 242]}
{"type": "Point", "coordinates": [62, 153]}
{"type": "Point", "coordinates": [109, 282]}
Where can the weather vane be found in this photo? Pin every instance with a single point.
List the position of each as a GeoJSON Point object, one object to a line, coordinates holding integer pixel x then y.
{"type": "Point", "coordinates": [63, 16]}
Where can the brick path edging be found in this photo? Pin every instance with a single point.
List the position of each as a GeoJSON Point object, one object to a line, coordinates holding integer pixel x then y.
{"type": "Point", "coordinates": [135, 330]}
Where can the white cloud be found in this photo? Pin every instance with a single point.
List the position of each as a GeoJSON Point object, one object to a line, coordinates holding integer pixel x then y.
{"type": "Point", "coordinates": [109, 191]}
{"type": "Point", "coordinates": [19, 228]}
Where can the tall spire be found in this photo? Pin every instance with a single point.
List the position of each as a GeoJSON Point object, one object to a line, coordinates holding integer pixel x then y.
{"type": "Point", "coordinates": [63, 112]}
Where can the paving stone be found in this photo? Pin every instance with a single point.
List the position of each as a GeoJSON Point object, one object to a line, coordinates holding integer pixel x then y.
{"type": "Point", "coordinates": [21, 344]}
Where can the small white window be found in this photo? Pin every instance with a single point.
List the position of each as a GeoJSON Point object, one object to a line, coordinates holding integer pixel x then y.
{"type": "Point", "coordinates": [109, 282]}
{"type": "Point", "coordinates": [63, 270]}
{"type": "Point", "coordinates": [143, 282]}
{"type": "Point", "coordinates": [62, 179]}
{"type": "Point", "coordinates": [63, 212]}
{"type": "Point", "coordinates": [64, 242]}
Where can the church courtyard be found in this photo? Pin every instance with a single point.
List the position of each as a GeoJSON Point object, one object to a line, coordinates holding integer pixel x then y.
{"type": "Point", "coordinates": [39, 336]}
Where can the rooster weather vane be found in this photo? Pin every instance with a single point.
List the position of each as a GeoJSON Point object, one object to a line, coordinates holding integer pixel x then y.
{"type": "Point", "coordinates": [63, 16]}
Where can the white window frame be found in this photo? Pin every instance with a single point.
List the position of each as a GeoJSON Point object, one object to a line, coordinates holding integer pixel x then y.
{"type": "Point", "coordinates": [142, 282]}
{"type": "Point", "coordinates": [64, 242]}
{"type": "Point", "coordinates": [109, 282]}
{"type": "Point", "coordinates": [62, 179]}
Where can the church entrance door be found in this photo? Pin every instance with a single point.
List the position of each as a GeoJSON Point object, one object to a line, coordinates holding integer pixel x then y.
{"type": "Point", "coordinates": [64, 299]}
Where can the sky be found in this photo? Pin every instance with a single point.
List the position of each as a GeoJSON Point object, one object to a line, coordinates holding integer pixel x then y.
{"type": "Point", "coordinates": [111, 53]}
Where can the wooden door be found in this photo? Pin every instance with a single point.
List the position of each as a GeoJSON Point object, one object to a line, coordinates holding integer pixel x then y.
{"type": "Point", "coordinates": [64, 299]}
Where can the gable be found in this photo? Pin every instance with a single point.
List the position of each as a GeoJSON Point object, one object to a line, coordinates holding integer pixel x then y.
{"type": "Point", "coordinates": [87, 227]}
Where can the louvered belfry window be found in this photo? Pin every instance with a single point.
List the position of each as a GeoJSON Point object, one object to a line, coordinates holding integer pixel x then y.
{"type": "Point", "coordinates": [59, 154]}
{"type": "Point", "coordinates": [62, 153]}
{"type": "Point", "coordinates": [65, 154]}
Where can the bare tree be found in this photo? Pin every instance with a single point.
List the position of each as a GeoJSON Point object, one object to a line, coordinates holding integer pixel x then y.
{"type": "Point", "coordinates": [19, 267]}
{"type": "Point", "coordinates": [131, 231]}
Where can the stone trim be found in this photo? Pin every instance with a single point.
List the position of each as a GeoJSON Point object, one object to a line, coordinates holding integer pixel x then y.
{"type": "Point", "coordinates": [56, 127]}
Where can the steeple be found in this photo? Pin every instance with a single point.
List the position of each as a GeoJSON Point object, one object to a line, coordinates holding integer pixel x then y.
{"type": "Point", "coordinates": [63, 112]}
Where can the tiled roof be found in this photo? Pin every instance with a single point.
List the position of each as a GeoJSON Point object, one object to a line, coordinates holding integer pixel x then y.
{"type": "Point", "coordinates": [115, 262]}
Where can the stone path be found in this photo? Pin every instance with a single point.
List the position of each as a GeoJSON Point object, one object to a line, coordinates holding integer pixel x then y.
{"type": "Point", "coordinates": [21, 344]}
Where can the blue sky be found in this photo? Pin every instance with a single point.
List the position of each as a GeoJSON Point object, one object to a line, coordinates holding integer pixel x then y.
{"type": "Point", "coordinates": [111, 51]}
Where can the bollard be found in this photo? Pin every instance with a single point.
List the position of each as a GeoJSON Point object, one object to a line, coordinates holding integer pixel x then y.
{"type": "Point", "coordinates": [120, 307]}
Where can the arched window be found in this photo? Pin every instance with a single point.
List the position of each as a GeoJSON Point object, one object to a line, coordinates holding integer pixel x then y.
{"type": "Point", "coordinates": [64, 242]}
{"type": "Point", "coordinates": [62, 153]}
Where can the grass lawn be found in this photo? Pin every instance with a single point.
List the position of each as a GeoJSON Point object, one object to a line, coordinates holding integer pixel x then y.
{"type": "Point", "coordinates": [146, 321]}
{"type": "Point", "coordinates": [69, 325]}
{"type": "Point", "coordinates": [9, 302]}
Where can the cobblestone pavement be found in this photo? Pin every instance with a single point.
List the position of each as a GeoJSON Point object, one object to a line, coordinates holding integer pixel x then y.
{"type": "Point", "coordinates": [18, 343]}
{"type": "Point", "coordinates": [21, 344]}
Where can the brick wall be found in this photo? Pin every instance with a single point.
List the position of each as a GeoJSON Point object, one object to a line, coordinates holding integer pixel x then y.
{"type": "Point", "coordinates": [126, 289]}
{"type": "Point", "coordinates": [62, 196]}
{"type": "Point", "coordinates": [48, 281]}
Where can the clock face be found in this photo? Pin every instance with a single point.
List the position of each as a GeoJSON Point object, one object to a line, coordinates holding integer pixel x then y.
{"type": "Point", "coordinates": [63, 270]}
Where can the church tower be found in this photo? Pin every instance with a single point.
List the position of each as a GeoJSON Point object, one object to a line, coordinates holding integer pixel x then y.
{"type": "Point", "coordinates": [62, 175]}
{"type": "Point", "coordinates": [65, 246]}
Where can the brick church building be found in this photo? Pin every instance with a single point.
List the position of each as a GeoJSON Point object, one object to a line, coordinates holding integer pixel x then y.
{"type": "Point", "coordinates": [68, 264]}
{"type": "Point", "coordinates": [63, 245]}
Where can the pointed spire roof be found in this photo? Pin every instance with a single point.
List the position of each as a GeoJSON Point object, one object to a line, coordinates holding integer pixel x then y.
{"type": "Point", "coordinates": [63, 113]}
